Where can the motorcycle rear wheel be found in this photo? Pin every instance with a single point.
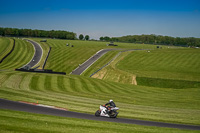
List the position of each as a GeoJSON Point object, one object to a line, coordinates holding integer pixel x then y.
{"type": "Point", "coordinates": [97, 113]}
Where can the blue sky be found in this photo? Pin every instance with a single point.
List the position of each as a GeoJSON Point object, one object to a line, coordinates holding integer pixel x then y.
{"type": "Point", "coordinates": [178, 18]}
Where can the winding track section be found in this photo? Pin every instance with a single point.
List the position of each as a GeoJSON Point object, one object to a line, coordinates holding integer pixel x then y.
{"type": "Point", "coordinates": [81, 68]}
{"type": "Point", "coordinates": [19, 106]}
{"type": "Point", "coordinates": [37, 56]}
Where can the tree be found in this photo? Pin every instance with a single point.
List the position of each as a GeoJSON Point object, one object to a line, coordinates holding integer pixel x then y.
{"type": "Point", "coordinates": [87, 37]}
{"type": "Point", "coordinates": [81, 37]}
{"type": "Point", "coordinates": [106, 38]}
{"type": "Point", "coordinates": [2, 32]}
{"type": "Point", "coordinates": [71, 36]}
{"type": "Point", "coordinates": [101, 38]}
{"type": "Point", "coordinates": [16, 32]}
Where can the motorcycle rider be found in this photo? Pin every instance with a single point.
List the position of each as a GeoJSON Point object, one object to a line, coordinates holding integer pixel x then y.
{"type": "Point", "coordinates": [112, 104]}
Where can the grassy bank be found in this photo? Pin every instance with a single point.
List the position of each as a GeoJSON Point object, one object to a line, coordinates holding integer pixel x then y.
{"type": "Point", "coordinates": [81, 94]}
{"type": "Point", "coordinates": [167, 83]}
{"type": "Point", "coordinates": [6, 45]}
{"type": "Point", "coordinates": [21, 55]}
{"type": "Point", "coordinates": [175, 64]}
{"type": "Point", "coordinates": [168, 68]}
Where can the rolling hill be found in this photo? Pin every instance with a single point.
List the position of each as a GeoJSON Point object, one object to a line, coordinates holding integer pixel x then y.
{"type": "Point", "coordinates": [85, 94]}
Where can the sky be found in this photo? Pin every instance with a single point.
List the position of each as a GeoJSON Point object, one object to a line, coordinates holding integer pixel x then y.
{"type": "Point", "coordinates": [113, 18]}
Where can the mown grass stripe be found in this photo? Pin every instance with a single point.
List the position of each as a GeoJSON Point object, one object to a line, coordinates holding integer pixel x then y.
{"type": "Point", "coordinates": [102, 86]}
{"type": "Point", "coordinates": [67, 84]}
{"type": "Point", "coordinates": [60, 83]}
{"type": "Point", "coordinates": [97, 86]}
{"type": "Point", "coordinates": [41, 83]}
{"type": "Point", "coordinates": [120, 89]}
{"type": "Point", "coordinates": [47, 82]}
{"type": "Point", "coordinates": [13, 81]}
{"type": "Point", "coordinates": [34, 82]}
{"type": "Point", "coordinates": [91, 86]}
{"type": "Point", "coordinates": [3, 78]}
{"type": "Point", "coordinates": [25, 84]}
{"type": "Point", "coordinates": [80, 85]}
{"type": "Point", "coordinates": [54, 84]}
{"type": "Point", "coordinates": [72, 84]}
{"type": "Point", "coordinates": [86, 85]}
{"type": "Point", "coordinates": [14, 56]}
{"type": "Point", "coordinates": [6, 44]}
{"type": "Point", "coordinates": [111, 89]}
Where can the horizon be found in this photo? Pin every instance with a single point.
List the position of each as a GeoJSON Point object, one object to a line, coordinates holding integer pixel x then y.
{"type": "Point", "coordinates": [98, 38]}
{"type": "Point", "coordinates": [105, 18]}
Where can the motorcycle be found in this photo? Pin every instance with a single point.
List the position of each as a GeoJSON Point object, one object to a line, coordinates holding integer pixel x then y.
{"type": "Point", "coordinates": [105, 111]}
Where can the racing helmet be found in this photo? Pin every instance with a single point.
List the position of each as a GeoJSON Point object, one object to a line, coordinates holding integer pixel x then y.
{"type": "Point", "coordinates": [110, 100]}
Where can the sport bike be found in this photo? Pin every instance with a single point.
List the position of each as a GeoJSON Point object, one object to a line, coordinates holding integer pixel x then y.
{"type": "Point", "coordinates": [107, 111]}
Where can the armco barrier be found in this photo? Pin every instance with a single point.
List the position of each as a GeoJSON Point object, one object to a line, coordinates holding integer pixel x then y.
{"type": "Point", "coordinates": [46, 58]}
{"type": "Point", "coordinates": [106, 64]}
{"type": "Point", "coordinates": [40, 71]}
{"type": "Point", "coordinates": [9, 52]}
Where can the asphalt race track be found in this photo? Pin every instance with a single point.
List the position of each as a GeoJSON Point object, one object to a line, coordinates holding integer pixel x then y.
{"type": "Point", "coordinates": [19, 106]}
{"type": "Point", "coordinates": [37, 56]}
{"type": "Point", "coordinates": [81, 68]}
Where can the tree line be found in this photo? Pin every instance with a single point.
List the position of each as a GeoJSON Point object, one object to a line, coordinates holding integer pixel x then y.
{"type": "Point", "coordinates": [60, 34]}
{"type": "Point", "coordinates": [155, 39]}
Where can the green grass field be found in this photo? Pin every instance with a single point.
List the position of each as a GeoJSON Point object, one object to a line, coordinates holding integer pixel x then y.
{"type": "Point", "coordinates": [169, 68]}
{"type": "Point", "coordinates": [179, 64]}
{"type": "Point", "coordinates": [21, 55]}
{"type": "Point", "coordinates": [13, 121]}
{"type": "Point", "coordinates": [78, 93]}
{"type": "Point", "coordinates": [83, 94]}
{"type": "Point", "coordinates": [164, 68]}
{"type": "Point", "coordinates": [110, 72]}
{"type": "Point", "coordinates": [6, 45]}
{"type": "Point", "coordinates": [66, 59]}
